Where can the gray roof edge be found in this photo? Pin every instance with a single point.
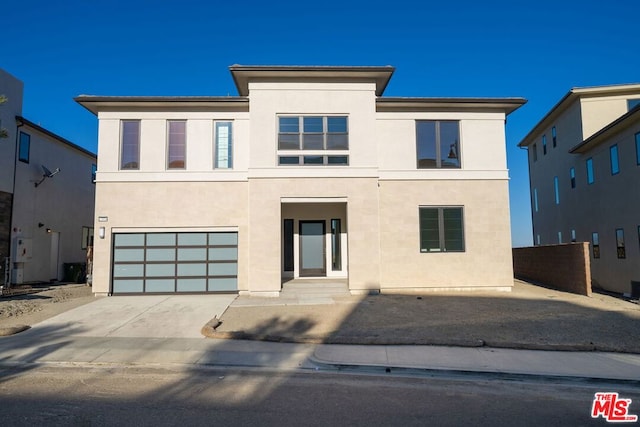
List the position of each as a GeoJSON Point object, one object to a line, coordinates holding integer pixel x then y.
{"type": "Point", "coordinates": [47, 132]}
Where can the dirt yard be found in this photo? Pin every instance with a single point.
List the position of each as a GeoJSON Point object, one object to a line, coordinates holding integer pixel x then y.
{"type": "Point", "coordinates": [29, 309]}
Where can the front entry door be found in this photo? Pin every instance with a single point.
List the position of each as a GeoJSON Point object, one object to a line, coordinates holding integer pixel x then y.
{"type": "Point", "coordinates": [312, 248]}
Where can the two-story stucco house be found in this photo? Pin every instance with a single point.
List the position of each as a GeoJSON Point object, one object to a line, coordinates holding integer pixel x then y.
{"type": "Point", "coordinates": [584, 166]}
{"type": "Point", "coordinates": [46, 196]}
{"type": "Point", "coordinates": [309, 172]}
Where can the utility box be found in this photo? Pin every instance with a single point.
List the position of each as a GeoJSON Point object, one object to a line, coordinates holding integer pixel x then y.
{"type": "Point", "coordinates": [17, 276]}
{"type": "Point", "coordinates": [22, 249]}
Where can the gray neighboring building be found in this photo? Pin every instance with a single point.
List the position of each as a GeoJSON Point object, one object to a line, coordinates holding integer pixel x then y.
{"type": "Point", "coordinates": [47, 195]}
{"type": "Point", "coordinates": [584, 168]}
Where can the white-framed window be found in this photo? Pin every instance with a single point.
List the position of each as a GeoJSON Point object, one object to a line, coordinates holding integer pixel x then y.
{"type": "Point", "coordinates": [313, 140]}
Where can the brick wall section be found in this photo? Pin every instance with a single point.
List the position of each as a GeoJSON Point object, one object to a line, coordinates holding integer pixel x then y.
{"type": "Point", "coordinates": [564, 267]}
{"type": "Point", "coordinates": [5, 228]}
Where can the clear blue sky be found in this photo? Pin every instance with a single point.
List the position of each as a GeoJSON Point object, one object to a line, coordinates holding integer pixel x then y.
{"type": "Point", "coordinates": [536, 50]}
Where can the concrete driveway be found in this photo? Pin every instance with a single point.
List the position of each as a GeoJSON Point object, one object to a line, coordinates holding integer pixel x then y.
{"type": "Point", "coordinates": [144, 316]}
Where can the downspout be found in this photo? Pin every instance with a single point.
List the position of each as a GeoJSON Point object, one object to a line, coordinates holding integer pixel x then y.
{"type": "Point", "coordinates": [533, 231]}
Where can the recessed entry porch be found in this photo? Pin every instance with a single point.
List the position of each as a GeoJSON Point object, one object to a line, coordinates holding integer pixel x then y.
{"type": "Point", "coordinates": [314, 238]}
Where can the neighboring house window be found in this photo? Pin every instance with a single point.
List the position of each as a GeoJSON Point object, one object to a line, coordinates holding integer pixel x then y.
{"type": "Point", "coordinates": [556, 189]}
{"type": "Point", "coordinates": [590, 177]}
{"type": "Point", "coordinates": [441, 229]}
{"type": "Point", "coordinates": [87, 237]}
{"type": "Point", "coordinates": [620, 243]}
{"type": "Point", "coordinates": [538, 239]}
{"type": "Point", "coordinates": [573, 236]}
{"type": "Point", "coordinates": [177, 144]}
{"type": "Point", "coordinates": [94, 169]}
{"type": "Point", "coordinates": [632, 103]}
{"type": "Point", "coordinates": [223, 146]}
{"type": "Point", "coordinates": [535, 152]}
{"type": "Point", "coordinates": [438, 144]}
{"type": "Point", "coordinates": [324, 140]}
{"type": "Point", "coordinates": [613, 156]}
{"type": "Point", "coordinates": [638, 148]}
{"type": "Point", "coordinates": [130, 144]}
{"type": "Point", "coordinates": [544, 144]}
{"type": "Point", "coordinates": [572, 175]}
{"type": "Point", "coordinates": [595, 245]}
{"type": "Point", "coordinates": [639, 235]}
{"type": "Point", "coordinates": [535, 199]}
{"type": "Point", "coordinates": [23, 149]}
{"type": "Point", "coordinates": [560, 237]}
{"type": "Point", "coordinates": [554, 137]}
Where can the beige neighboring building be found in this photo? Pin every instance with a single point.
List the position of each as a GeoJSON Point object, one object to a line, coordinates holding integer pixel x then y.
{"type": "Point", "coordinates": [46, 197]}
{"type": "Point", "coordinates": [309, 172]}
{"type": "Point", "coordinates": [584, 167]}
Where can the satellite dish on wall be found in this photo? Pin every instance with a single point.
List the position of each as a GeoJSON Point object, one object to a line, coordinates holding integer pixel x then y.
{"type": "Point", "coordinates": [47, 174]}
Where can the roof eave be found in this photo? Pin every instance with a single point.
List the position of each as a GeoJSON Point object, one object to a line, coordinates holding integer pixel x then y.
{"type": "Point", "coordinates": [506, 105]}
{"type": "Point", "coordinates": [612, 128]}
{"type": "Point", "coordinates": [96, 104]}
{"type": "Point", "coordinates": [243, 74]}
{"type": "Point", "coordinates": [22, 121]}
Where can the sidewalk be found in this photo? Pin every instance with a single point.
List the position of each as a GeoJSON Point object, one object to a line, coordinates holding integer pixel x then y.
{"type": "Point", "coordinates": [162, 331]}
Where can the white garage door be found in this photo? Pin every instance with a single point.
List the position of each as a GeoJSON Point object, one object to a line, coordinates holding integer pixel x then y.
{"type": "Point", "coordinates": [175, 262]}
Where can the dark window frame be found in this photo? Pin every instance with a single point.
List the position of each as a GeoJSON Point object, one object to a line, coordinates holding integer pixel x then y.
{"type": "Point", "coordinates": [572, 176]}
{"type": "Point", "coordinates": [176, 145]}
{"type": "Point", "coordinates": [554, 136]}
{"type": "Point", "coordinates": [595, 245]}
{"type": "Point", "coordinates": [544, 145]}
{"type": "Point", "coordinates": [591, 176]}
{"type": "Point", "coordinates": [128, 147]}
{"type": "Point", "coordinates": [24, 153]}
{"type": "Point", "coordinates": [614, 159]}
{"type": "Point", "coordinates": [535, 152]}
{"type": "Point", "coordinates": [439, 146]}
{"type": "Point", "coordinates": [621, 251]}
{"type": "Point", "coordinates": [444, 236]}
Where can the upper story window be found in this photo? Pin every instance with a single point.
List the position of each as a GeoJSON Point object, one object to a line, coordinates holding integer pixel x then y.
{"type": "Point", "coordinates": [638, 148]}
{"type": "Point", "coordinates": [632, 103]}
{"type": "Point", "coordinates": [94, 170]}
{"type": "Point", "coordinates": [223, 146]}
{"type": "Point", "coordinates": [544, 144]}
{"type": "Point", "coordinates": [317, 136]}
{"type": "Point", "coordinates": [590, 176]}
{"type": "Point", "coordinates": [535, 152]}
{"type": "Point", "coordinates": [130, 144]}
{"type": "Point", "coordinates": [438, 144]}
{"type": "Point", "coordinates": [176, 144]}
{"type": "Point", "coordinates": [613, 157]}
{"type": "Point", "coordinates": [554, 137]}
{"type": "Point", "coordinates": [556, 189]}
{"type": "Point", "coordinates": [24, 147]}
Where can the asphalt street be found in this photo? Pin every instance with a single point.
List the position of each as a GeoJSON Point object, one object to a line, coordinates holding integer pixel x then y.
{"type": "Point", "coordinates": [122, 396]}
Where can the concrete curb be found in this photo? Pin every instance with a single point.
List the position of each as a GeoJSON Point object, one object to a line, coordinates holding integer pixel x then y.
{"type": "Point", "coordinates": [209, 330]}
{"type": "Point", "coordinates": [12, 330]}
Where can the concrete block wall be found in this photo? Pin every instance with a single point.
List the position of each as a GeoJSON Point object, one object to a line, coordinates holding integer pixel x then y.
{"type": "Point", "coordinates": [565, 267]}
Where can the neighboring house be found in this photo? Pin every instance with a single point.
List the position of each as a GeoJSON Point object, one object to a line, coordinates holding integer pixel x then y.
{"type": "Point", "coordinates": [309, 172]}
{"type": "Point", "coordinates": [584, 167]}
{"type": "Point", "coordinates": [46, 196]}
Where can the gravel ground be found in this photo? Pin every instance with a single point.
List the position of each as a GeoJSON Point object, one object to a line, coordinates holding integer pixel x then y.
{"type": "Point", "coordinates": [529, 317]}
{"type": "Point", "coordinates": [33, 308]}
